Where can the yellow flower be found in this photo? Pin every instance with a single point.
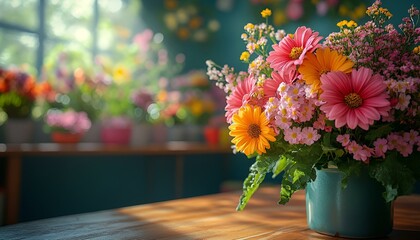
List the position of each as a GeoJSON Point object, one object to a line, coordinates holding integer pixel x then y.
{"type": "Point", "coordinates": [244, 56]}
{"type": "Point", "coordinates": [266, 13]}
{"type": "Point", "coordinates": [341, 24]}
{"type": "Point", "coordinates": [351, 24]}
{"type": "Point", "coordinates": [249, 27]}
{"type": "Point", "coordinates": [121, 75]}
{"type": "Point", "coordinates": [324, 61]}
{"type": "Point", "coordinates": [416, 50]}
{"type": "Point", "coordinates": [250, 130]}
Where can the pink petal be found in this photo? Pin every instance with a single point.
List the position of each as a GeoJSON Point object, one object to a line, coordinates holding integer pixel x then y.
{"type": "Point", "coordinates": [351, 119]}
{"type": "Point", "coordinates": [338, 110]}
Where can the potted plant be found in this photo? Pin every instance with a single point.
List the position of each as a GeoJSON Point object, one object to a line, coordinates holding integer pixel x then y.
{"type": "Point", "coordinates": [339, 117]}
{"type": "Point", "coordinates": [66, 126]}
{"type": "Point", "coordinates": [69, 75]}
{"type": "Point", "coordinates": [18, 91]}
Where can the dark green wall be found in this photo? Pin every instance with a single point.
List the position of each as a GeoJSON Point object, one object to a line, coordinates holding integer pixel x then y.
{"type": "Point", "coordinates": [54, 186]}
{"type": "Point", "coordinates": [225, 46]}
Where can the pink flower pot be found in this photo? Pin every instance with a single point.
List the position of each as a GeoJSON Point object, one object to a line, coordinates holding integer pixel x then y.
{"type": "Point", "coordinates": [116, 131]}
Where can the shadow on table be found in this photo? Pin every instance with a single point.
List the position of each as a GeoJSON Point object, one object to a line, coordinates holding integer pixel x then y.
{"type": "Point", "coordinates": [405, 234]}
{"type": "Point", "coordinates": [97, 225]}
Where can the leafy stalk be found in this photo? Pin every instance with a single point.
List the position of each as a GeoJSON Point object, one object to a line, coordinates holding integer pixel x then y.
{"type": "Point", "coordinates": [257, 172]}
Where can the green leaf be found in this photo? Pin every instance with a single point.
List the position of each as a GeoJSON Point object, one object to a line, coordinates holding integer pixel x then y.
{"type": "Point", "coordinates": [280, 166]}
{"type": "Point", "coordinates": [326, 140]}
{"type": "Point", "coordinates": [297, 175]}
{"type": "Point", "coordinates": [257, 172]}
{"type": "Point", "coordinates": [300, 169]}
{"type": "Point", "coordinates": [382, 131]}
{"type": "Point", "coordinates": [390, 193]}
{"type": "Point", "coordinates": [394, 175]}
{"type": "Point", "coordinates": [295, 178]}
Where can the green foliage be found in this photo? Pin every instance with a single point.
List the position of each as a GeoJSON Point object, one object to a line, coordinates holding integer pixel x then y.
{"type": "Point", "coordinates": [15, 105]}
{"type": "Point", "coordinates": [378, 132]}
{"type": "Point", "coordinates": [257, 172]}
{"type": "Point", "coordinates": [395, 174]}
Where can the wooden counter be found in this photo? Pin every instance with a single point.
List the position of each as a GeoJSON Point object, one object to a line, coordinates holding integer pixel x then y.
{"type": "Point", "coordinates": [15, 152]}
{"type": "Point", "coordinates": [206, 217]}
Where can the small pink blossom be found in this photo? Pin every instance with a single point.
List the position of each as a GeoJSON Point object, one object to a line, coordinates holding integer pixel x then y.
{"type": "Point", "coordinates": [360, 153]}
{"type": "Point", "coordinates": [283, 122]}
{"type": "Point", "coordinates": [411, 137]}
{"type": "Point", "coordinates": [393, 140]}
{"type": "Point", "coordinates": [404, 148]}
{"type": "Point", "coordinates": [293, 135]}
{"type": "Point", "coordinates": [380, 147]}
{"type": "Point", "coordinates": [309, 135]}
{"type": "Point", "coordinates": [403, 101]}
{"type": "Point", "coordinates": [344, 139]}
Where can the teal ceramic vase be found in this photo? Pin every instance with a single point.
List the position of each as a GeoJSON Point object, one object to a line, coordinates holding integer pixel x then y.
{"type": "Point", "coordinates": [357, 211]}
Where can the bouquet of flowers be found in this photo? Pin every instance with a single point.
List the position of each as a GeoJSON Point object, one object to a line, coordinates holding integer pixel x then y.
{"type": "Point", "coordinates": [350, 102]}
{"type": "Point", "coordinates": [68, 121]}
{"type": "Point", "coordinates": [18, 91]}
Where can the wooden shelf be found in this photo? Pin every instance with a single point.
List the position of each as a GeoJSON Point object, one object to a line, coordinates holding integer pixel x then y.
{"type": "Point", "coordinates": [15, 152]}
{"type": "Point", "coordinates": [170, 148]}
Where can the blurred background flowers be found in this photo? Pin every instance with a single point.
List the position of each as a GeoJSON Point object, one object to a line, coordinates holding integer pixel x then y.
{"type": "Point", "coordinates": [141, 61]}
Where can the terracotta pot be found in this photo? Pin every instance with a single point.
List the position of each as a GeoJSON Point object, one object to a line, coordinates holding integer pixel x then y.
{"type": "Point", "coordinates": [62, 137]}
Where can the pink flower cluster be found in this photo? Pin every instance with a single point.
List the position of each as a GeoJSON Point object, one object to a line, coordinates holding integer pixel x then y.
{"type": "Point", "coordinates": [292, 103]}
{"type": "Point", "coordinates": [69, 121]}
{"type": "Point", "coordinates": [381, 48]}
{"type": "Point", "coordinates": [404, 143]}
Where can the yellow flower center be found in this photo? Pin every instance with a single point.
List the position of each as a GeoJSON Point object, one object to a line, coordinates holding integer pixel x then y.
{"type": "Point", "coordinates": [353, 100]}
{"type": "Point", "coordinates": [254, 130]}
{"type": "Point", "coordinates": [296, 52]}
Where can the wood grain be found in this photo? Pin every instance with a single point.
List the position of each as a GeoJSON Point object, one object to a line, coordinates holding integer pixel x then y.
{"type": "Point", "coordinates": [206, 217]}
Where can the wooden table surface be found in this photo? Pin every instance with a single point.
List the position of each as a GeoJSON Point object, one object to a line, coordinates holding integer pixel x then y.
{"type": "Point", "coordinates": [205, 217]}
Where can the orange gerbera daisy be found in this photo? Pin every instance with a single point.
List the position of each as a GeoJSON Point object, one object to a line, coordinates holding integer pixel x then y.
{"type": "Point", "coordinates": [324, 61]}
{"type": "Point", "coordinates": [250, 130]}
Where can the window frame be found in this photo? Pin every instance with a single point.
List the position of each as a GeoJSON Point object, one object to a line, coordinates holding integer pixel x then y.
{"type": "Point", "coordinates": [40, 32]}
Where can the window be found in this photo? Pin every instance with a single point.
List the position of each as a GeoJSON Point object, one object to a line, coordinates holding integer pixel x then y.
{"type": "Point", "coordinates": [30, 30]}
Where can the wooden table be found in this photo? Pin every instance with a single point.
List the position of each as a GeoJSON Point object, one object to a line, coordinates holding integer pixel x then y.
{"type": "Point", "coordinates": [15, 152]}
{"type": "Point", "coordinates": [206, 217]}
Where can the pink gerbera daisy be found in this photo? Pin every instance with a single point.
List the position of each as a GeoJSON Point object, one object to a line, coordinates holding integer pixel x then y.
{"type": "Point", "coordinates": [354, 100]}
{"type": "Point", "coordinates": [290, 52]}
{"type": "Point", "coordinates": [239, 97]}
{"type": "Point", "coordinates": [271, 85]}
